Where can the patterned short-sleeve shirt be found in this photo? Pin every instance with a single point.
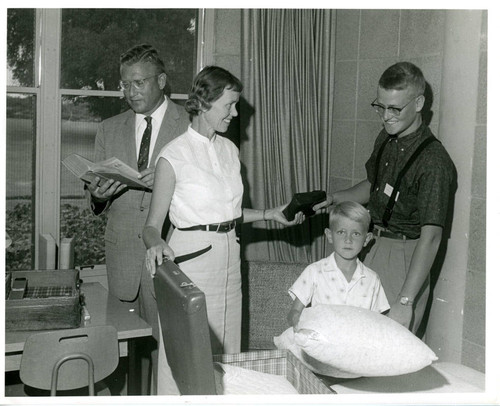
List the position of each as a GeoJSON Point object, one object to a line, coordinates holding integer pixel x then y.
{"type": "Point", "coordinates": [323, 282]}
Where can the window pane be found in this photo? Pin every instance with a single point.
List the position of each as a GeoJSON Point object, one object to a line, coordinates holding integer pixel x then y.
{"type": "Point", "coordinates": [20, 47]}
{"type": "Point", "coordinates": [80, 117]}
{"type": "Point", "coordinates": [94, 39]}
{"type": "Point", "coordinates": [20, 167]}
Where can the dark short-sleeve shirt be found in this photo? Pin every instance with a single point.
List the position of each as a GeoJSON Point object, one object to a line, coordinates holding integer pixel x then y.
{"type": "Point", "coordinates": [424, 193]}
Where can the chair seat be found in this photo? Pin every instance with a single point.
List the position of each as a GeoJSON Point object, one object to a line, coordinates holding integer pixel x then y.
{"type": "Point", "coordinates": [42, 351]}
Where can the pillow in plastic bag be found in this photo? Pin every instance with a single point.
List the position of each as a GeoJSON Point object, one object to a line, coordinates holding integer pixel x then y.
{"type": "Point", "coordinates": [286, 341]}
{"type": "Point", "coordinates": [346, 341]}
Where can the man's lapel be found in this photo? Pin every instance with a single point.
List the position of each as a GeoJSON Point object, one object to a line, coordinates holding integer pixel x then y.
{"type": "Point", "coordinates": [168, 129]}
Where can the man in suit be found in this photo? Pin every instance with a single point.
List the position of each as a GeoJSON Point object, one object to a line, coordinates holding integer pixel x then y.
{"type": "Point", "coordinates": [135, 137]}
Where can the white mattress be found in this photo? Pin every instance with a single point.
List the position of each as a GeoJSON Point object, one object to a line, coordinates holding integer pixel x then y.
{"type": "Point", "coordinates": [440, 377]}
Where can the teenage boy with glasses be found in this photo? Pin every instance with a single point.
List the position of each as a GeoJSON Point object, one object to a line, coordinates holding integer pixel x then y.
{"type": "Point", "coordinates": [408, 213]}
{"type": "Point", "coordinates": [135, 137]}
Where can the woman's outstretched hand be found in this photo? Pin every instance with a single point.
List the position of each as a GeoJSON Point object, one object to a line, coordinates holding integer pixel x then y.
{"type": "Point", "coordinates": [156, 255]}
{"type": "Point", "coordinates": [276, 214]}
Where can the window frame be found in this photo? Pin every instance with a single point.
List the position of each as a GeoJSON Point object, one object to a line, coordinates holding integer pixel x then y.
{"type": "Point", "coordinates": [47, 196]}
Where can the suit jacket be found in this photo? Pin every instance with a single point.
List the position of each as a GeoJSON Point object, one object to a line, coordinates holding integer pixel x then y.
{"type": "Point", "coordinates": [127, 213]}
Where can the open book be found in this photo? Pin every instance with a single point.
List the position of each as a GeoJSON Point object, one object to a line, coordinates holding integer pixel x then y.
{"type": "Point", "coordinates": [111, 168]}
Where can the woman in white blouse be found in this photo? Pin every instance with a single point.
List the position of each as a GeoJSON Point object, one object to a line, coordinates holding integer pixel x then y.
{"type": "Point", "coordinates": [198, 182]}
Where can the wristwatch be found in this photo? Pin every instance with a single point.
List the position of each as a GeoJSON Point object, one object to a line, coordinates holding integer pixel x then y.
{"type": "Point", "coordinates": [405, 301]}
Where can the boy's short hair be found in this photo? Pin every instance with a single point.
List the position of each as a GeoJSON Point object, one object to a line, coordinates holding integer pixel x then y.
{"type": "Point", "coordinates": [403, 75]}
{"type": "Point", "coordinates": [351, 210]}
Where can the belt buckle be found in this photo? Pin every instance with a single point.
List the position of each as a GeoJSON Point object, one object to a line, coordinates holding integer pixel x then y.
{"type": "Point", "coordinates": [224, 227]}
{"type": "Point", "coordinates": [383, 232]}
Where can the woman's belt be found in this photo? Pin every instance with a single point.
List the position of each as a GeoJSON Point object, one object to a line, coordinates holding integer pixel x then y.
{"type": "Point", "coordinates": [218, 228]}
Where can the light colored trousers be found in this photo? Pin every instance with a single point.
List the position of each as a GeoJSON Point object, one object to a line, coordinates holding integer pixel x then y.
{"type": "Point", "coordinates": [217, 274]}
{"type": "Point", "coordinates": [391, 260]}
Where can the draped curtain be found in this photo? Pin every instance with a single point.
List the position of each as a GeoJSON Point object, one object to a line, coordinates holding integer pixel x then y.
{"type": "Point", "coordinates": [286, 124]}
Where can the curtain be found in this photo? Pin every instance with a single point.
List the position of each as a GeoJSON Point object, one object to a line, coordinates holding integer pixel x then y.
{"type": "Point", "coordinates": [286, 124]}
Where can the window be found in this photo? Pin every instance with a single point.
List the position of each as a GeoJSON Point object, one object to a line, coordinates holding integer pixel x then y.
{"type": "Point", "coordinates": [62, 82]}
{"type": "Point", "coordinates": [19, 187]}
{"type": "Point", "coordinates": [20, 140]}
{"type": "Point", "coordinates": [93, 39]}
{"type": "Point", "coordinates": [79, 118]}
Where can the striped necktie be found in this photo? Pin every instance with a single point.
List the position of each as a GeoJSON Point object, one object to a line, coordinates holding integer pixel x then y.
{"type": "Point", "coordinates": [142, 161]}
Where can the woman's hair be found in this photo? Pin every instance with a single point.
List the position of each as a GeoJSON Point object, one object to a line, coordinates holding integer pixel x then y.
{"type": "Point", "coordinates": [143, 53]}
{"type": "Point", "coordinates": [208, 86]}
{"type": "Point", "coordinates": [351, 210]}
{"type": "Point", "coordinates": [403, 75]}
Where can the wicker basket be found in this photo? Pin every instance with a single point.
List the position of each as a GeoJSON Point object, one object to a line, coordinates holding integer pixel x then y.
{"type": "Point", "coordinates": [278, 362]}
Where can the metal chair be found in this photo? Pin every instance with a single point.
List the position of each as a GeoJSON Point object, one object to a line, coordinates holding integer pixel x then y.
{"type": "Point", "coordinates": [69, 359]}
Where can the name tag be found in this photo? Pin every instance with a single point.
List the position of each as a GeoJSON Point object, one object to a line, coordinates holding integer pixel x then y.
{"type": "Point", "coordinates": [388, 191]}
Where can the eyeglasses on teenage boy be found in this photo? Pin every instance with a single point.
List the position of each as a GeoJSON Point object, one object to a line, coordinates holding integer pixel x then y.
{"type": "Point", "coordinates": [394, 111]}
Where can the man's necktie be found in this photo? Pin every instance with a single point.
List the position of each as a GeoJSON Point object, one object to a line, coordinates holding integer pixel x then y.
{"type": "Point", "coordinates": [142, 161]}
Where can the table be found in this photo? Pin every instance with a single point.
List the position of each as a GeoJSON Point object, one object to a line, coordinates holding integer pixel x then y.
{"type": "Point", "coordinates": [104, 309]}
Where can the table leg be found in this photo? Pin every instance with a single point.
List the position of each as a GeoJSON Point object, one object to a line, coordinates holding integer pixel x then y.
{"type": "Point", "coordinates": [139, 381]}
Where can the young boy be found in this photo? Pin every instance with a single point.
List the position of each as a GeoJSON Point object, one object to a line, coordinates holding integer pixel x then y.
{"type": "Point", "coordinates": [341, 278]}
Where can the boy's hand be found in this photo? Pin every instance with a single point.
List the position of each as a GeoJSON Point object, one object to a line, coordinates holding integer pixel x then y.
{"type": "Point", "coordinates": [293, 315]}
{"type": "Point", "coordinates": [330, 199]}
{"type": "Point", "coordinates": [295, 321]}
{"type": "Point", "coordinates": [400, 313]}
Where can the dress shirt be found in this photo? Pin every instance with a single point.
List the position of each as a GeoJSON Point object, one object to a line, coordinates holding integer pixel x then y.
{"type": "Point", "coordinates": [140, 126]}
{"type": "Point", "coordinates": [208, 185]}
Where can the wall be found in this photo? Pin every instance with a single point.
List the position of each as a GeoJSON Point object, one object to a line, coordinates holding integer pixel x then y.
{"type": "Point", "coordinates": [365, 47]}
{"type": "Point", "coordinates": [460, 290]}
{"type": "Point", "coordinates": [473, 344]}
{"type": "Point", "coordinates": [223, 48]}
{"type": "Point", "coordinates": [223, 39]}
